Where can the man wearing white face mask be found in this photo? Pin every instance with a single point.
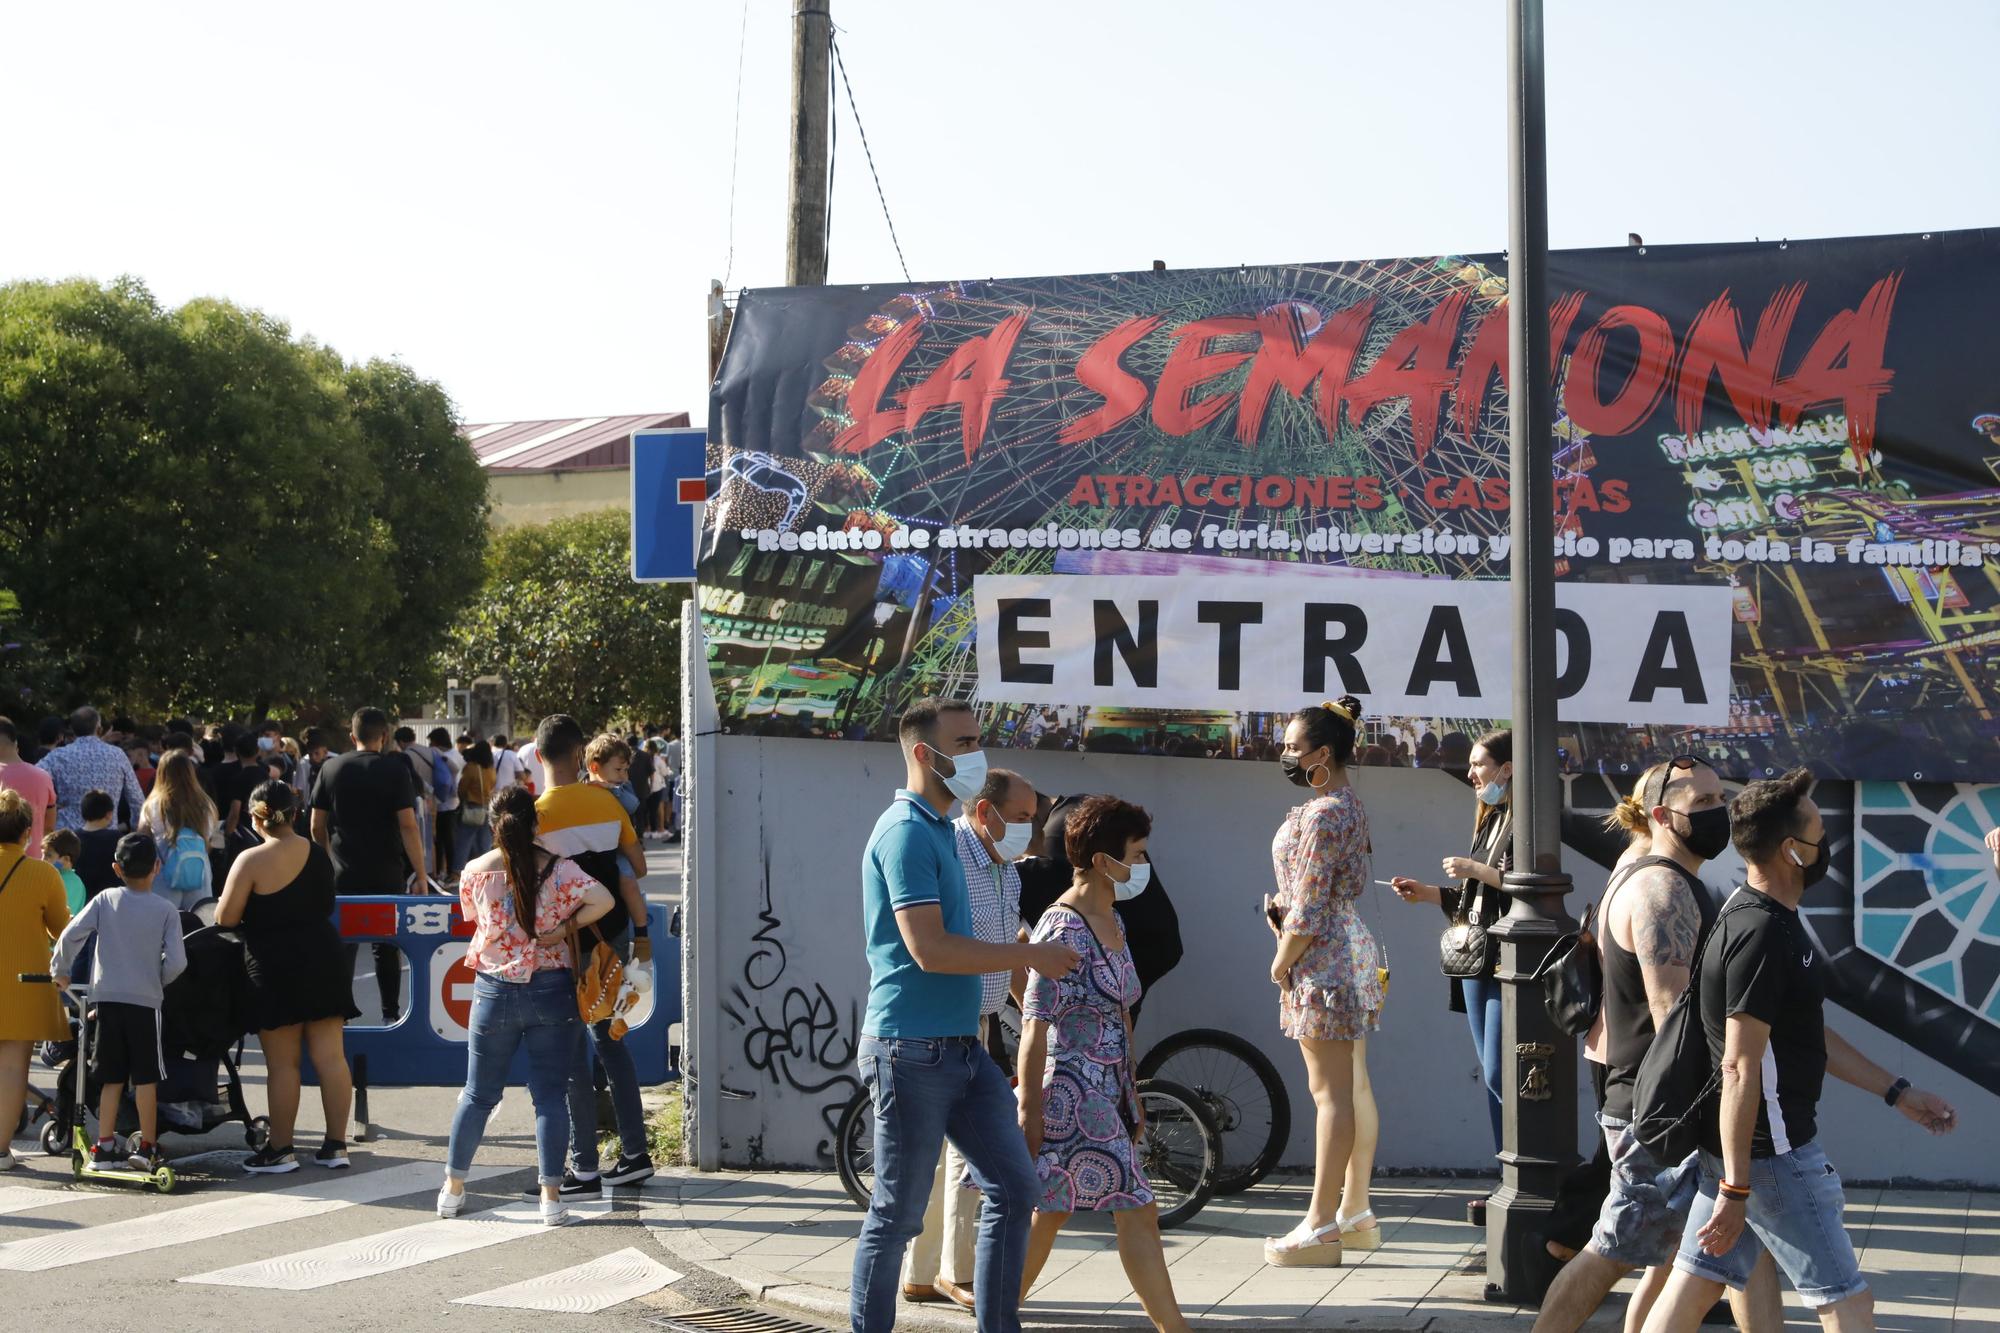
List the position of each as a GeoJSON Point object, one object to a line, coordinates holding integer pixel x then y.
{"type": "Point", "coordinates": [919, 1055]}
{"type": "Point", "coordinates": [992, 834]}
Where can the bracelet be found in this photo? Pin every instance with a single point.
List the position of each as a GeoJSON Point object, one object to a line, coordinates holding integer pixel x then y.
{"type": "Point", "coordinates": [1896, 1091]}
{"type": "Point", "coordinates": [1736, 1192]}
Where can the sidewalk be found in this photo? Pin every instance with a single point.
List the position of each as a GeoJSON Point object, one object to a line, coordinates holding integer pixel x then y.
{"type": "Point", "coordinates": [787, 1238]}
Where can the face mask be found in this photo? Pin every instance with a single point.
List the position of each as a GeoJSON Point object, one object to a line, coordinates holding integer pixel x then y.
{"type": "Point", "coordinates": [266, 743]}
{"type": "Point", "coordinates": [1708, 831]}
{"type": "Point", "coordinates": [968, 777]}
{"type": "Point", "coordinates": [1296, 772]}
{"type": "Point", "coordinates": [1141, 876]}
{"type": "Point", "coordinates": [1816, 870]}
{"type": "Point", "coordinates": [1493, 793]}
{"type": "Point", "coordinates": [1012, 844]}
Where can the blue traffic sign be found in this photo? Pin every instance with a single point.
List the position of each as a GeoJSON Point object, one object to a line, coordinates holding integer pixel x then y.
{"type": "Point", "coordinates": [669, 486]}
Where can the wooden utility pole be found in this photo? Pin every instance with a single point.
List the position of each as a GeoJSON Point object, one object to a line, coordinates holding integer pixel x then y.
{"type": "Point", "coordinates": [805, 235]}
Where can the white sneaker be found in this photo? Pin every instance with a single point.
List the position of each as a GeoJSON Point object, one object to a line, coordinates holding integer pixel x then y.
{"type": "Point", "coordinates": [449, 1204]}
{"type": "Point", "coordinates": [555, 1212]}
{"type": "Point", "coordinates": [6, 1159]}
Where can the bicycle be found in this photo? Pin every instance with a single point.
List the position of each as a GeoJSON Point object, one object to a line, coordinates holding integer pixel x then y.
{"type": "Point", "coordinates": [1179, 1149]}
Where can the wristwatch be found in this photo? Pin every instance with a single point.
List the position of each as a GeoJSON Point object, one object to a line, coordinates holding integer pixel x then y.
{"type": "Point", "coordinates": [1895, 1092]}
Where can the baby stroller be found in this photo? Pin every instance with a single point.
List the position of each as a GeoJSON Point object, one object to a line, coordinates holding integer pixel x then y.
{"type": "Point", "coordinates": [203, 1029]}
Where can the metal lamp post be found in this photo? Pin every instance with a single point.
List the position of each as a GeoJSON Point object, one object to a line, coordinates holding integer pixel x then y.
{"type": "Point", "coordinates": [1538, 1061]}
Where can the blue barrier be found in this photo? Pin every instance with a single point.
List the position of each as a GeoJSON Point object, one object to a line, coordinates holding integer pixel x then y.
{"type": "Point", "coordinates": [426, 1046]}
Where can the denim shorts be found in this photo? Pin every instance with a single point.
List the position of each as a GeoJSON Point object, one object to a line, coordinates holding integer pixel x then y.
{"type": "Point", "coordinates": [1647, 1208]}
{"type": "Point", "coordinates": [1795, 1213]}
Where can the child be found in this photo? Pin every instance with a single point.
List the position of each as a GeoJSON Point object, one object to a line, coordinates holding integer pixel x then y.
{"type": "Point", "coordinates": [99, 841]}
{"type": "Point", "coordinates": [610, 763]}
{"type": "Point", "coordinates": [138, 952]}
{"type": "Point", "coordinates": [60, 849]}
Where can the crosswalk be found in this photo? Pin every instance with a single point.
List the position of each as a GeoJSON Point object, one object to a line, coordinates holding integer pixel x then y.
{"type": "Point", "coordinates": [54, 1226]}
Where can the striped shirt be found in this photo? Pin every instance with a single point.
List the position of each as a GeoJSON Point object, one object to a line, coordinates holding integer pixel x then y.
{"type": "Point", "coordinates": [995, 891]}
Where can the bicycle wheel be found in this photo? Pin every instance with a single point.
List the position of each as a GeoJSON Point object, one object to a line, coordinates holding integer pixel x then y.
{"type": "Point", "coordinates": [854, 1149]}
{"type": "Point", "coordinates": [1243, 1093]}
{"type": "Point", "coordinates": [1180, 1150]}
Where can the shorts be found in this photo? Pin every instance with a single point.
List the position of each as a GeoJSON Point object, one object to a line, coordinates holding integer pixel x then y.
{"type": "Point", "coordinates": [125, 1044]}
{"type": "Point", "coordinates": [1646, 1211]}
{"type": "Point", "coordinates": [1794, 1212]}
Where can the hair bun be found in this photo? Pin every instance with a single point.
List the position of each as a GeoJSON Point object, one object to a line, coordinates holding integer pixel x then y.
{"type": "Point", "coordinates": [1346, 706]}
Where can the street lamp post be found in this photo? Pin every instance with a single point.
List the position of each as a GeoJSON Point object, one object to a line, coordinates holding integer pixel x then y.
{"type": "Point", "coordinates": [1538, 1061]}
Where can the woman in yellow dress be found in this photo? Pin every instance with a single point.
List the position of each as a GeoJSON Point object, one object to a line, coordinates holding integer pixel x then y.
{"type": "Point", "coordinates": [32, 913]}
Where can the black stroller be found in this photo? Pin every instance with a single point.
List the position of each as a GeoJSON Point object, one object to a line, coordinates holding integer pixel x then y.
{"type": "Point", "coordinates": [203, 1030]}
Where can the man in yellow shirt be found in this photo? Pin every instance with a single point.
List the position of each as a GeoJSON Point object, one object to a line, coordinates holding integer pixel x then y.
{"type": "Point", "coordinates": [587, 824]}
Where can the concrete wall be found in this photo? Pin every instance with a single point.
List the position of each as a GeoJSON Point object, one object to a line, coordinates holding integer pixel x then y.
{"type": "Point", "coordinates": [789, 979]}
{"type": "Point", "coordinates": [536, 497]}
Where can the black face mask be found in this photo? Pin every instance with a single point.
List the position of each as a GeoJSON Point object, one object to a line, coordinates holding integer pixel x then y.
{"type": "Point", "coordinates": [1296, 772]}
{"type": "Point", "coordinates": [1708, 831]}
{"type": "Point", "coordinates": [1814, 870]}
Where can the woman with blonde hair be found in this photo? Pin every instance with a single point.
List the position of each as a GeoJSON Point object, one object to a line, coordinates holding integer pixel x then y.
{"type": "Point", "coordinates": [181, 820]}
{"type": "Point", "coordinates": [32, 913]}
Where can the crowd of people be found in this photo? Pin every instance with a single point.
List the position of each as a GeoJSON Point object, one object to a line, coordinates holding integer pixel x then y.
{"type": "Point", "coordinates": [119, 841]}
{"type": "Point", "coordinates": [975, 1178]}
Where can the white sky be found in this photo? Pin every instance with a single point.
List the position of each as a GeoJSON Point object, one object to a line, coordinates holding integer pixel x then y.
{"type": "Point", "coordinates": [526, 201]}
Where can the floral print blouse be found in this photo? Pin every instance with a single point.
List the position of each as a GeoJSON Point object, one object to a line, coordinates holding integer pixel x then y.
{"type": "Point", "coordinates": [500, 948]}
{"type": "Point", "coordinates": [1321, 859]}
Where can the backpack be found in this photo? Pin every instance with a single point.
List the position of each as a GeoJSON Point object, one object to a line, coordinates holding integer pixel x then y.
{"type": "Point", "coordinates": [442, 778]}
{"type": "Point", "coordinates": [187, 867]}
{"type": "Point", "coordinates": [1674, 1093]}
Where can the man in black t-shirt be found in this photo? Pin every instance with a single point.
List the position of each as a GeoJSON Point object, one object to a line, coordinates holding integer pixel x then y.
{"type": "Point", "coordinates": [364, 814]}
{"type": "Point", "coordinates": [1765, 1182]}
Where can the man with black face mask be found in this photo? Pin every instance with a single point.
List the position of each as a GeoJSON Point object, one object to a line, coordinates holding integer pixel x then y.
{"type": "Point", "coordinates": [1650, 923]}
{"type": "Point", "coordinates": [1766, 1187]}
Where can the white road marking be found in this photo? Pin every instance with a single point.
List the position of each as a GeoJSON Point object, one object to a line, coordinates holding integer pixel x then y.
{"type": "Point", "coordinates": [388, 1251]}
{"type": "Point", "coordinates": [225, 1215]}
{"type": "Point", "coordinates": [20, 1198]}
{"type": "Point", "coordinates": [584, 1289]}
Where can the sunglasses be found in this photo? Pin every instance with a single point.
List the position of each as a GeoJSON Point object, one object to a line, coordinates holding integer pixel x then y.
{"type": "Point", "coordinates": [1679, 763]}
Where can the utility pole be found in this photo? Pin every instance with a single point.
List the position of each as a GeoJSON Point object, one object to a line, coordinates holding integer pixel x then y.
{"type": "Point", "coordinates": [1538, 1061]}
{"type": "Point", "coordinates": [805, 232]}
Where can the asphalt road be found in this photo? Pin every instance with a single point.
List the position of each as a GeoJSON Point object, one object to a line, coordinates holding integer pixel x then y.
{"type": "Point", "coordinates": [115, 1257]}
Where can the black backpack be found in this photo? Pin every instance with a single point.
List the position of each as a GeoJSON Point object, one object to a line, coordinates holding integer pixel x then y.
{"type": "Point", "coordinates": [1674, 1093]}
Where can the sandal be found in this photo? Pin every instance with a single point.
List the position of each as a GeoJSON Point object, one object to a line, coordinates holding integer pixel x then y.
{"type": "Point", "coordinates": [1361, 1230]}
{"type": "Point", "coordinates": [1303, 1248]}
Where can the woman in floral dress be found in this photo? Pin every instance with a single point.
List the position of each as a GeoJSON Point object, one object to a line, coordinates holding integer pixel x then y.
{"type": "Point", "coordinates": [1326, 968]}
{"type": "Point", "coordinates": [1079, 1099]}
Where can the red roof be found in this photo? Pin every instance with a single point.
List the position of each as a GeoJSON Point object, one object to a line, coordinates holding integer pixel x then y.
{"type": "Point", "coordinates": [573, 442]}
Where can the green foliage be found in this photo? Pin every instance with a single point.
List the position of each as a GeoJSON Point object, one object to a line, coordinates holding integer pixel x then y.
{"type": "Point", "coordinates": [207, 514]}
{"type": "Point", "coordinates": [561, 617]}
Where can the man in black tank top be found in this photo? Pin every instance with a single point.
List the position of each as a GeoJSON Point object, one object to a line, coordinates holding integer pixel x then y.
{"type": "Point", "coordinates": [1651, 921]}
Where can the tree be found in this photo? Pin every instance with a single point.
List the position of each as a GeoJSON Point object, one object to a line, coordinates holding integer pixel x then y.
{"type": "Point", "coordinates": [562, 619]}
{"type": "Point", "coordinates": [199, 507]}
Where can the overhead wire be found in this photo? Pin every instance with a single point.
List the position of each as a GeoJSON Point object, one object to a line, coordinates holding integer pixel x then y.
{"type": "Point", "coordinates": [869, 153]}
{"type": "Point", "coordinates": [735, 143]}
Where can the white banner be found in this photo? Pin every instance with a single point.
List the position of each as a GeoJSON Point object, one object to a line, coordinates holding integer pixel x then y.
{"type": "Point", "coordinates": [1412, 647]}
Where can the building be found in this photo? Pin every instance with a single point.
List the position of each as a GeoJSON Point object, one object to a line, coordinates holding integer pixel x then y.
{"type": "Point", "coordinates": [540, 470]}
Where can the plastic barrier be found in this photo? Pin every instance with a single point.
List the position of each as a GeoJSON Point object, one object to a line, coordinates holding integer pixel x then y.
{"type": "Point", "coordinates": [426, 1046]}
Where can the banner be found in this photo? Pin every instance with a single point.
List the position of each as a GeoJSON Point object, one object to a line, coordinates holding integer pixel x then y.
{"type": "Point", "coordinates": [1805, 433]}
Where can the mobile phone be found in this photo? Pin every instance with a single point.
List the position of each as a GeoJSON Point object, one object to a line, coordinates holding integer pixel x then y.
{"type": "Point", "coordinates": [1276, 915]}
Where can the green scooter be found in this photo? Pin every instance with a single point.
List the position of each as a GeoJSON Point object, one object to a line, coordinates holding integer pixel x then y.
{"type": "Point", "coordinates": [162, 1177]}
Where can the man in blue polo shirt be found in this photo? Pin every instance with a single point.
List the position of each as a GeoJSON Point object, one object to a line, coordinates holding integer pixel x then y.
{"type": "Point", "coordinates": [919, 1054]}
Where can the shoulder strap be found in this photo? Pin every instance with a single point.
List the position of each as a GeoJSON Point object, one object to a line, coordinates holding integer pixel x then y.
{"type": "Point", "coordinates": [10, 871]}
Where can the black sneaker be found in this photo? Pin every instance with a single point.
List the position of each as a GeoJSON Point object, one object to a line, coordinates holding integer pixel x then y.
{"type": "Point", "coordinates": [630, 1170]}
{"type": "Point", "coordinates": [332, 1154]}
{"type": "Point", "coordinates": [145, 1157]}
{"type": "Point", "coordinates": [573, 1187]}
{"type": "Point", "coordinates": [106, 1156]}
{"type": "Point", "coordinates": [270, 1160]}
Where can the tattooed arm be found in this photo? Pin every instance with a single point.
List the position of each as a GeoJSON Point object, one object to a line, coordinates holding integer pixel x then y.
{"type": "Point", "coordinates": [1663, 924]}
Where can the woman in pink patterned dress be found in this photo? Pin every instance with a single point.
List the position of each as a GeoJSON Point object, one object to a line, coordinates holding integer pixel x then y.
{"type": "Point", "coordinates": [1327, 965]}
{"type": "Point", "coordinates": [1079, 1100]}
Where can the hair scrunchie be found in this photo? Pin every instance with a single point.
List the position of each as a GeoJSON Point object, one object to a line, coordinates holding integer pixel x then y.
{"type": "Point", "coordinates": [1337, 710]}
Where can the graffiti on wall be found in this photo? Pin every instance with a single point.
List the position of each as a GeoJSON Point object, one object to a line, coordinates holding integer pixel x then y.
{"type": "Point", "coordinates": [795, 1035]}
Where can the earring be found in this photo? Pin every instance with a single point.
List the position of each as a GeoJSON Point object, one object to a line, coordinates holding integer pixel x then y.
{"type": "Point", "coordinates": [1326, 768]}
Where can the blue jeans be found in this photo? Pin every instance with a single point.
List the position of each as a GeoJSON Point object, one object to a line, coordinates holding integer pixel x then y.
{"type": "Point", "coordinates": [538, 1015]}
{"type": "Point", "coordinates": [472, 839]}
{"type": "Point", "coordinates": [925, 1090]}
{"type": "Point", "coordinates": [622, 1076]}
{"type": "Point", "coordinates": [1482, 1015]}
